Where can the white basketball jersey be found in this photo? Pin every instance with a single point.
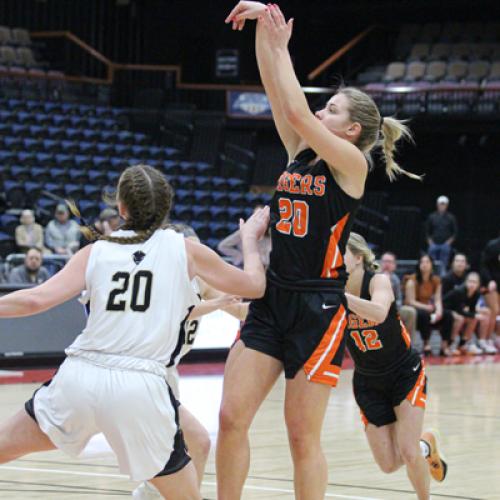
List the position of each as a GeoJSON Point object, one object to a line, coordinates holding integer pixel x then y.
{"type": "Point", "coordinates": [140, 297]}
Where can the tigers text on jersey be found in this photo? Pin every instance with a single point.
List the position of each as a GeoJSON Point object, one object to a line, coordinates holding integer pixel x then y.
{"type": "Point", "coordinates": [311, 218]}
{"type": "Point", "coordinates": [377, 349]}
{"type": "Point", "coordinates": [140, 297]}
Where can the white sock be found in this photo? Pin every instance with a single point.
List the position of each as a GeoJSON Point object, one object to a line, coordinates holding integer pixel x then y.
{"type": "Point", "coordinates": [425, 448]}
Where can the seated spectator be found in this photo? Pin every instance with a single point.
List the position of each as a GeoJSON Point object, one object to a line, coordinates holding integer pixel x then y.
{"type": "Point", "coordinates": [62, 235]}
{"type": "Point", "coordinates": [230, 247]}
{"type": "Point", "coordinates": [456, 275]}
{"type": "Point", "coordinates": [109, 221]}
{"type": "Point", "coordinates": [388, 265]}
{"type": "Point", "coordinates": [463, 302]}
{"type": "Point", "coordinates": [490, 273]}
{"type": "Point", "coordinates": [423, 292]}
{"type": "Point", "coordinates": [441, 230]}
{"type": "Point", "coordinates": [28, 234]}
{"type": "Point", "coordinates": [31, 272]}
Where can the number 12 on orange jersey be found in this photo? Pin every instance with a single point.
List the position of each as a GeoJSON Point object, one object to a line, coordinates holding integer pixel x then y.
{"type": "Point", "coordinates": [371, 340]}
{"type": "Point", "coordinates": [294, 217]}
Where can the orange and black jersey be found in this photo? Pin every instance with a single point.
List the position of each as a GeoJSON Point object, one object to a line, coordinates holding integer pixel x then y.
{"type": "Point", "coordinates": [311, 218]}
{"type": "Point", "coordinates": [377, 349]}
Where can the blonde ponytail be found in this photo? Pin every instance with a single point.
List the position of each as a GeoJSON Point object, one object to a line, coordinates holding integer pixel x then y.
{"type": "Point", "coordinates": [392, 130]}
{"type": "Point", "coordinates": [358, 247]}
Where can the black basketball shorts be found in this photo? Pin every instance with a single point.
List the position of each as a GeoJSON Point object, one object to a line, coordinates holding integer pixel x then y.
{"type": "Point", "coordinates": [377, 396]}
{"type": "Point", "coordinates": [302, 329]}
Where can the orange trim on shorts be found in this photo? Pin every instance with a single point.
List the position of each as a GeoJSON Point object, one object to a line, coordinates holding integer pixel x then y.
{"type": "Point", "coordinates": [417, 396]}
{"type": "Point", "coordinates": [318, 367]}
{"type": "Point", "coordinates": [363, 417]}
{"type": "Point", "coordinates": [405, 335]}
{"type": "Point", "coordinates": [333, 257]}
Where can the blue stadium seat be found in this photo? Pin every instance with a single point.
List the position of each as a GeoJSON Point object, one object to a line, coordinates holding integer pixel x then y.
{"type": "Point", "coordinates": [26, 159]}
{"type": "Point", "coordinates": [64, 161]}
{"type": "Point", "coordinates": [51, 145]}
{"type": "Point", "coordinates": [237, 200]}
{"type": "Point", "coordinates": [91, 135]}
{"type": "Point", "coordinates": [202, 229]}
{"type": "Point", "coordinates": [45, 207]}
{"type": "Point", "coordinates": [34, 145]}
{"type": "Point", "coordinates": [219, 214]}
{"type": "Point", "coordinates": [171, 167]}
{"type": "Point", "coordinates": [41, 174]}
{"type": "Point", "coordinates": [203, 198]}
{"type": "Point", "coordinates": [236, 185]}
{"type": "Point", "coordinates": [54, 189]}
{"type": "Point", "coordinates": [89, 209]}
{"type": "Point", "coordinates": [13, 143]}
{"type": "Point", "coordinates": [78, 176]}
{"type": "Point", "coordinates": [74, 191]}
{"type": "Point", "coordinates": [202, 214]}
{"type": "Point", "coordinates": [93, 193]}
{"type": "Point", "coordinates": [123, 150]}
{"type": "Point", "coordinates": [59, 175]}
{"type": "Point", "coordinates": [113, 178]}
{"type": "Point", "coordinates": [44, 159]}
{"type": "Point", "coordinates": [69, 147]}
{"type": "Point", "coordinates": [74, 134]}
{"type": "Point", "coordinates": [221, 198]}
{"type": "Point", "coordinates": [7, 158]}
{"type": "Point", "coordinates": [55, 133]}
{"type": "Point", "coordinates": [183, 213]}
{"type": "Point", "coordinates": [16, 198]}
{"type": "Point", "coordinates": [98, 177]}
{"type": "Point", "coordinates": [7, 244]}
{"type": "Point", "coordinates": [87, 148]}
{"type": "Point", "coordinates": [20, 173]}
{"type": "Point", "coordinates": [117, 164]}
{"type": "Point", "coordinates": [83, 161]}
{"type": "Point", "coordinates": [19, 130]}
{"type": "Point", "coordinates": [220, 183]}
{"type": "Point", "coordinates": [101, 163]}
{"type": "Point", "coordinates": [104, 149]}
{"type": "Point", "coordinates": [33, 190]}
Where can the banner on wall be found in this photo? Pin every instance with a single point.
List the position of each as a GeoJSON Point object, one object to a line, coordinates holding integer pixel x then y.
{"type": "Point", "coordinates": [248, 105]}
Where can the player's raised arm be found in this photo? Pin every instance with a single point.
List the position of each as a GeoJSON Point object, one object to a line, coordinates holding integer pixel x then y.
{"type": "Point", "coordinates": [64, 285]}
{"type": "Point", "coordinates": [249, 283]}
{"type": "Point", "coordinates": [255, 10]}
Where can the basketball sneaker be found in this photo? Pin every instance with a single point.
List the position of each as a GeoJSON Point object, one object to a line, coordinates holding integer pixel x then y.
{"type": "Point", "coordinates": [146, 491]}
{"type": "Point", "coordinates": [487, 346]}
{"type": "Point", "coordinates": [437, 465]}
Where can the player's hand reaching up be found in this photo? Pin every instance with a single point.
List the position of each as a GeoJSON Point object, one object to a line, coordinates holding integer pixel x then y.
{"type": "Point", "coordinates": [278, 31]}
{"type": "Point", "coordinates": [256, 226]}
{"type": "Point", "coordinates": [242, 12]}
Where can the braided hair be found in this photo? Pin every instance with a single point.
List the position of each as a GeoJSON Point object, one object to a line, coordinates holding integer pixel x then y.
{"type": "Point", "coordinates": [146, 194]}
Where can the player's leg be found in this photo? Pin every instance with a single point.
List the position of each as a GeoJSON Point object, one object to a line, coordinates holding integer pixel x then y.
{"type": "Point", "coordinates": [182, 485]}
{"type": "Point", "coordinates": [248, 377]}
{"type": "Point", "coordinates": [305, 407]}
{"type": "Point", "coordinates": [20, 435]}
{"type": "Point", "coordinates": [384, 446]}
{"type": "Point", "coordinates": [197, 440]}
{"type": "Point", "coordinates": [408, 430]}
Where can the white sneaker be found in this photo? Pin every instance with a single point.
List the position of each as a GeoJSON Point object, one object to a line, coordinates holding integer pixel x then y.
{"type": "Point", "coordinates": [473, 349]}
{"type": "Point", "coordinates": [146, 491]}
{"type": "Point", "coordinates": [490, 347]}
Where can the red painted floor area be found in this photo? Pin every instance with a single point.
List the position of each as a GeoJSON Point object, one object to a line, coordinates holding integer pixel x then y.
{"type": "Point", "coordinates": [196, 369]}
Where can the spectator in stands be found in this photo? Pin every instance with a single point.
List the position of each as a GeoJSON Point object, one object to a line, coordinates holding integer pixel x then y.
{"type": "Point", "coordinates": [423, 292]}
{"type": "Point", "coordinates": [388, 265]}
{"type": "Point", "coordinates": [231, 247]}
{"type": "Point", "coordinates": [31, 272]}
{"type": "Point", "coordinates": [490, 272]}
{"type": "Point", "coordinates": [62, 235]}
{"type": "Point", "coordinates": [28, 234]}
{"type": "Point", "coordinates": [456, 275]}
{"type": "Point", "coordinates": [463, 301]}
{"type": "Point", "coordinates": [109, 221]}
{"type": "Point", "coordinates": [441, 230]}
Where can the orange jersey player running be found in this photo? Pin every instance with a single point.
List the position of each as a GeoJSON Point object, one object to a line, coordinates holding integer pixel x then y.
{"type": "Point", "coordinates": [389, 378]}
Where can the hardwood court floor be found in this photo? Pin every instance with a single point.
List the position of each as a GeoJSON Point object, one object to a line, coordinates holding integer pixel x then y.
{"type": "Point", "coordinates": [463, 402]}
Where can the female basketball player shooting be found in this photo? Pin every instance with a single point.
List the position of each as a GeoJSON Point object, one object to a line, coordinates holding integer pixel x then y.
{"type": "Point", "coordinates": [299, 325]}
{"type": "Point", "coordinates": [113, 379]}
{"type": "Point", "coordinates": [389, 378]}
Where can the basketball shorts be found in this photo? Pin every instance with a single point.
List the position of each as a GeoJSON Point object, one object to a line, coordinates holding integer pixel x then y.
{"type": "Point", "coordinates": [302, 329]}
{"type": "Point", "coordinates": [377, 396]}
{"type": "Point", "coordinates": [136, 411]}
{"type": "Point", "coordinates": [173, 381]}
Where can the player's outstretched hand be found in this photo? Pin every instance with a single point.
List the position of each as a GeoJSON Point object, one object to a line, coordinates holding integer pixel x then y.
{"type": "Point", "coordinates": [243, 11]}
{"type": "Point", "coordinates": [256, 226]}
{"type": "Point", "coordinates": [278, 31]}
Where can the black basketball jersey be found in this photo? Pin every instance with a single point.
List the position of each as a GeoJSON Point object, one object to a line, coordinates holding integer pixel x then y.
{"type": "Point", "coordinates": [377, 349]}
{"type": "Point", "coordinates": [311, 218]}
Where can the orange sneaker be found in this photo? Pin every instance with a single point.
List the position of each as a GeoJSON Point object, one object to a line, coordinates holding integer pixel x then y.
{"type": "Point", "coordinates": [437, 465]}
